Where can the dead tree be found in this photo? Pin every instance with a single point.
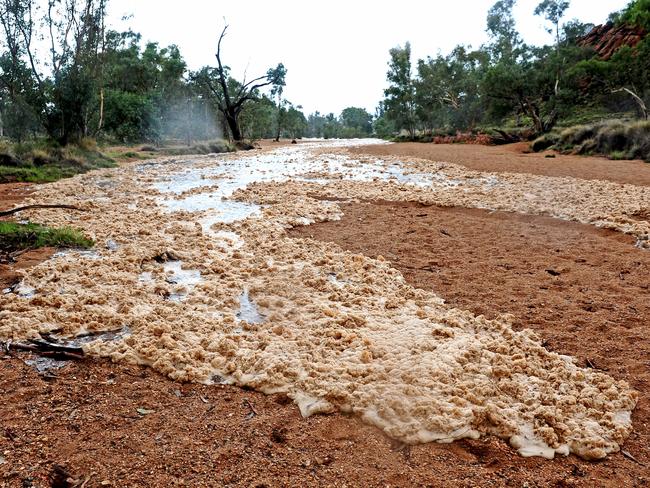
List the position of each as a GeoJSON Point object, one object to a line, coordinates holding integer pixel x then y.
{"type": "Point", "coordinates": [639, 101]}
{"type": "Point", "coordinates": [231, 97]}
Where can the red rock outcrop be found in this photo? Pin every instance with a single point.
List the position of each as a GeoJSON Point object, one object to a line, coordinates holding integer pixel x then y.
{"type": "Point", "coordinates": [606, 39]}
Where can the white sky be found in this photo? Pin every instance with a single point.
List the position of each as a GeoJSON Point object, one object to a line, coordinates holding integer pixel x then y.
{"type": "Point", "coordinates": [335, 51]}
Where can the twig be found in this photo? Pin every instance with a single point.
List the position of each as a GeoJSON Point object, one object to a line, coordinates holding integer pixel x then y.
{"type": "Point", "coordinates": [82, 485]}
{"type": "Point", "coordinates": [629, 456]}
{"type": "Point", "coordinates": [250, 405]}
{"type": "Point", "coordinates": [4, 213]}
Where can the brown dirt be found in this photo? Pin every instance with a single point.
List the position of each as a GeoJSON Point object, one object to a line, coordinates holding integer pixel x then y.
{"type": "Point", "coordinates": [512, 158]}
{"type": "Point", "coordinates": [11, 194]}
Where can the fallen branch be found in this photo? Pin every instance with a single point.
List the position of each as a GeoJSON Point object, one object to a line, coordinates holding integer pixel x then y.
{"type": "Point", "coordinates": [46, 349]}
{"type": "Point", "coordinates": [250, 406]}
{"type": "Point", "coordinates": [4, 213]}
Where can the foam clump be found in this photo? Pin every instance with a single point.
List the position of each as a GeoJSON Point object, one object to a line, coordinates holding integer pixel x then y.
{"type": "Point", "coordinates": [333, 330]}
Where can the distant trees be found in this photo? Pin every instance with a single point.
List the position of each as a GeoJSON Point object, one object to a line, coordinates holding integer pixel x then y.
{"type": "Point", "coordinates": [65, 76]}
{"type": "Point", "coordinates": [353, 122]}
{"type": "Point", "coordinates": [507, 81]}
{"type": "Point", "coordinates": [59, 96]}
{"type": "Point", "coordinates": [356, 122]}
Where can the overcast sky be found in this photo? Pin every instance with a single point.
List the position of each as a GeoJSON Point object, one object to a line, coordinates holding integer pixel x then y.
{"type": "Point", "coordinates": [335, 51]}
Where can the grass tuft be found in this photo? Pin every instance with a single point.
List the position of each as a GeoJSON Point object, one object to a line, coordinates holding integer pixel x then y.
{"type": "Point", "coordinates": [15, 236]}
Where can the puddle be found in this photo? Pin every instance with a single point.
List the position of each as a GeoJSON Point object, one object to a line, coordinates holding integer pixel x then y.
{"type": "Point", "coordinates": [185, 279]}
{"type": "Point", "coordinates": [248, 310]}
{"type": "Point", "coordinates": [111, 245]}
{"type": "Point", "coordinates": [21, 290]}
{"type": "Point", "coordinates": [43, 364]}
{"type": "Point", "coordinates": [84, 254]}
{"type": "Point", "coordinates": [145, 277]}
{"type": "Point", "coordinates": [332, 278]}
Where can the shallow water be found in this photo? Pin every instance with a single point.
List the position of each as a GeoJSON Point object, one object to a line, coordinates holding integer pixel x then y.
{"type": "Point", "coordinates": [184, 279]}
{"type": "Point", "coordinates": [223, 178]}
{"type": "Point", "coordinates": [248, 311]}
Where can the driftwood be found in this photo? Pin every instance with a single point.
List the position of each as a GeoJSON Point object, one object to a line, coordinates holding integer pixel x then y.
{"type": "Point", "coordinates": [46, 349]}
{"type": "Point", "coordinates": [4, 213]}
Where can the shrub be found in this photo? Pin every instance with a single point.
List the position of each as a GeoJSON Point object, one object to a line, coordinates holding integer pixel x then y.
{"type": "Point", "coordinates": [544, 142]}
{"type": "Point", "coordinates": [615, 139]}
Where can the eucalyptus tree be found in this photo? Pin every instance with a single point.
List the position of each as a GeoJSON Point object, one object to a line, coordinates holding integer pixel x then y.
{"type": "Point", "coordinates": [399, 97]}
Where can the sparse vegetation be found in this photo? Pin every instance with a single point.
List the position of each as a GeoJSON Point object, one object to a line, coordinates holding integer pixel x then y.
{"type": "Point", "coordinates": [16, 236]}
{"type": "Point", "coordinates": [41, 161]}
{"type": "Point", "coordinates": [615, 139]}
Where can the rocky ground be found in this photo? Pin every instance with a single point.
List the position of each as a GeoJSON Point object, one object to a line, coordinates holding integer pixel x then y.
{"type": "Point", "coordinates": [581, 288]}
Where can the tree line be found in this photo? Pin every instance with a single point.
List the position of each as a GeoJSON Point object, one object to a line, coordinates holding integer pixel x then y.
{"type": "Point", "coordinates": [66, 75]}
{"type": "Point", "coordinates": [508, 83]}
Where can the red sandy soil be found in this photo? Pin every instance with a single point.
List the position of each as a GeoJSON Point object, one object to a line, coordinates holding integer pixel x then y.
{"type": "Point", "coordinates": [513, 158]}
{"type": "Point", "coordinates": [584, 290]}
{"type": "Point", "coordinates": [11, 194]}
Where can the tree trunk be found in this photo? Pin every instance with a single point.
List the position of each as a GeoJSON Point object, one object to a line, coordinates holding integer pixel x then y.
{"type": "Point", "coordinates": [233, 125]}
{"type": "Point", "coordinates": [100, 124]}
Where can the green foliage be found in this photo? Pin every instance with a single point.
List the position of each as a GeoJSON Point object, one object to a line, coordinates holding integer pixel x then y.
{"type": "Point", "coordinates": [130, 117]}
{"type": "Point", "coordinates": [356, 122]}
{"type": "Point", "coordinates": [399, 101]}
{"type": "Point", "coordinates": [14, 236]}
{"type": "Point", "coordinates": [511, 85]}
{"type": "Point", "coordinates": [636, 13]}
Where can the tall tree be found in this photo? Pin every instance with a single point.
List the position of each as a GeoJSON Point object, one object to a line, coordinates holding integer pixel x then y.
{"type": "Point", "coordinates": [553, 11]}
{"type": "Point", "coordinates": [502, 29]}
{"type": "Point", "coordinates": [399, 103]}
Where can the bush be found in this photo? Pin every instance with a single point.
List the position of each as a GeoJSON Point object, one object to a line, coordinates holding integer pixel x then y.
{"type": "Point", "coordinates": [544, 142]}
{"type": "Point", "coordinates": [615, 139]}
{"type": "Point", "coordinates": [43, 161]}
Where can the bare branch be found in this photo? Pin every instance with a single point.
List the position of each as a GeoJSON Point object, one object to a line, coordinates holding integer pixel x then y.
{"type": "Point", "coordinates": [4, 213]}
{"type": "Point", "coordinates": [637, 99]}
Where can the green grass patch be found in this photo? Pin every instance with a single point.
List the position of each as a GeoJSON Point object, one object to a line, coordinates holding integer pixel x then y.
{"type": "Point", "coordinates": [15, 236]}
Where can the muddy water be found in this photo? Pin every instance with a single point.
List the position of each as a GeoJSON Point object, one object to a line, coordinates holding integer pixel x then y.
{"type": "Point", "coordinates": [211, 290]}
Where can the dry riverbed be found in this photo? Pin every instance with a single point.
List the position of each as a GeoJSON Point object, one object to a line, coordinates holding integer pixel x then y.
{"type": "Point", "coordinates": [197, 279]}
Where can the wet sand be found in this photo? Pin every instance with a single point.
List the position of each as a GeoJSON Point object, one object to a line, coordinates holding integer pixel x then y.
{"type": "Point", "coordinates": [516, 158]}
